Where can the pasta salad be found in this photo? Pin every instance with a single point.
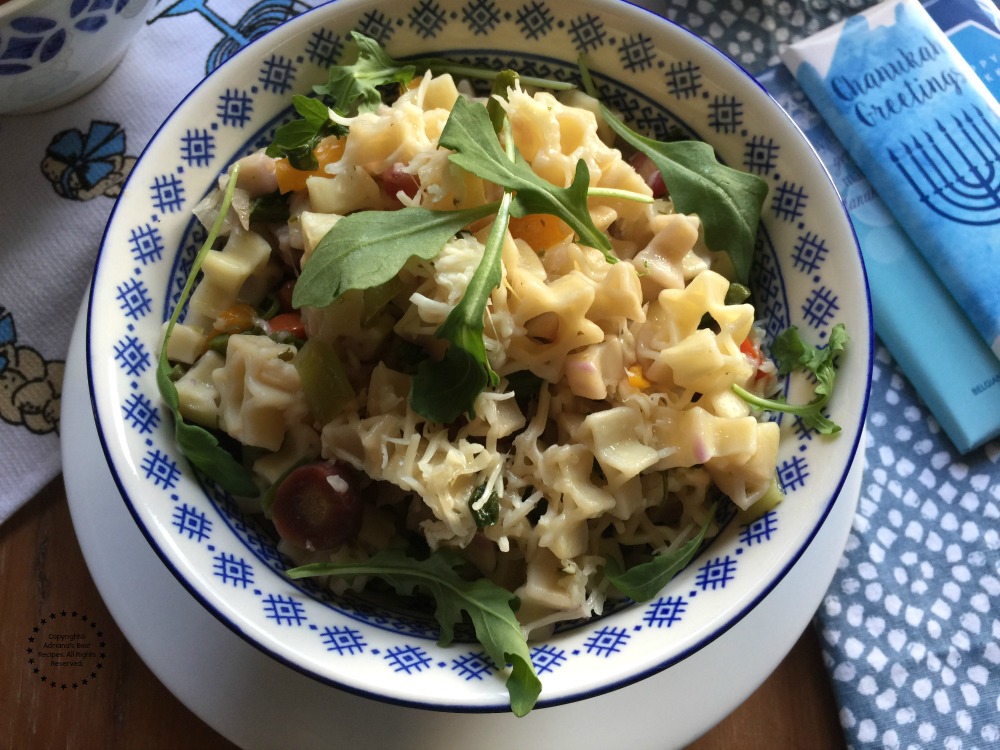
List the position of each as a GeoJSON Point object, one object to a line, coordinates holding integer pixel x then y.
{"type": "Point", "coordinates": [495, 348]}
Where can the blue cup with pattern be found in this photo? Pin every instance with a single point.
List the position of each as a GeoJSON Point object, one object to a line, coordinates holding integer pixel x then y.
{"type": "Point", "coordinates": [54, 51]}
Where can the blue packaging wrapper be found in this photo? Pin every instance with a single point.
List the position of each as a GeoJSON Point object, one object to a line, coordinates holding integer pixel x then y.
{"type": "Point", "coordinates": [915, 316]}
{"type": "Point", "coordinates": [925, 131]}
{"type": "Point", "coordinates": [934, 343]}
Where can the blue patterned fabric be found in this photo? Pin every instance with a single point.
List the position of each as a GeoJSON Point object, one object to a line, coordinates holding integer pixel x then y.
{"type": "Point", "coordinates": [910, 626]}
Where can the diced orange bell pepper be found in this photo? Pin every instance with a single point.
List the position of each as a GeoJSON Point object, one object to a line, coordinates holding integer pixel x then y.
{"type": "Point", "coordinates": [235, 319]}
{"type": "Point", "coordinates": [327, 151]}
{"type": "Point", "coordinates": [541, 231]}
{"type": "Point", "coordinates": [636, 378]}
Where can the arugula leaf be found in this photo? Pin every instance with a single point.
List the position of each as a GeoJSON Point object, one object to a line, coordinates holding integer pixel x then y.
{"type": "Point", "coordinates": [357, 85]}
{"type": "Point", "coordinates": [469, 133]}
{"type": "Point", "coordinates": [368, 248]}
{"type": "Point", "coordinates": [790, 351]}
{"type": "Point", "coordinates": [504, 81]}
{"type": "Point", "coordinates": [200, 446]}
{"type": "Point", "coordinates": [728, 201]}
{"type": "Point", "coordinates": [644, 581]}
{"type": "Point", "coordinates": [490, 607]}
{"type": "Point", "coordinates": [442, 390]}
{"type": "Point", "coordinates": [297, 140]}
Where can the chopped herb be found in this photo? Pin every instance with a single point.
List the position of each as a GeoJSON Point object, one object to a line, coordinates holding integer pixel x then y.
{"type": "Point", "coordinates": [790, 352]}
{"type": "Point", "coordinates": [270, 209]}
{"type": "Point", "coordinates": [297, 140]}
{"type": "Point", "coordinates": [485, 513]}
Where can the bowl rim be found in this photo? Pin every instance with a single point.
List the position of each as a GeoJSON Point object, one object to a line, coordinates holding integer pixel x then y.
{"type": "Point", "coordinates": [713, 632]}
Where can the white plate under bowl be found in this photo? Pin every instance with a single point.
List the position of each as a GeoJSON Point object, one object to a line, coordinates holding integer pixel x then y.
{"type": "Point", "coordinates": [808, 273]}
{"type": "Point", "coordinates": [260, 704]}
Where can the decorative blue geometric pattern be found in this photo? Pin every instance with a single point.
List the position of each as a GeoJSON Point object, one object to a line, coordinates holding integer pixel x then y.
{"type": "Point", "coordinates": [343, 640]}
{"type": "Point", "coordinates": [234, 108]}
{"type": "Point", "coordinates": [607, 641]}
{"type": "Point", "coordinates": [716, 573]}
{"type": "Point", "coordinates": [323, 48]}
{"type": "Point", "coordinates": [161, 470]}
{"type": "Point", "coordinates": [408, 659]}
{"type": "Point", "coordinates": [793, 473]}
{"type": "Point", "coordinates": [820, 308]}
{"type": "Point", "coordinates": [809, 253]}
{"type": "Point", "coordinates": [546, 658]}
{"type": "Point", "coordinates": [637, 52]}
{"type": "Point", "coordinates": [167, 193]}
{"type": "Point", "coordinates": [761, 530]}
{"type": "Point", "coordinates": [474, 665]}
{"type": "Point", "coordinates": [284, 610]}
{"type": "Point", "coordinates": [192, 523]}
{"type": "Point", "coordinates": [535, 20]}
{"type": "Point", "coordinates": [789, 201]}
{"type": "Point", "coordinates": [588, 32]}
{"type": "Point", "coordinates": [427, 19]}
{"type": "Point", "coordinates": [665, 611]}
{"type": "Point", "coordinates": [683, 80]}
{"type": "Point", "coordinates": [233, 570]}
{"type": "Point", "coordinates": [481, 16]}
{"type": "Point", "coordinates": [277, 75]}
{"type": "Point", "coordinates": [146, 244]}
{"type": "Point", "coordinates": [761, 155]}
{"type": "Point", "coordinates": [725, 115]}
{"type": "Point", "coordinates": [198, 148]}
{"type": "Point", "coordinates": [131, 356]}
{"type": "Point", "coordinates": [141, 414]}
{"type": "Point", "coordinates": [134, 299]}
{"type": "Point", "coordinates": [378, 26]}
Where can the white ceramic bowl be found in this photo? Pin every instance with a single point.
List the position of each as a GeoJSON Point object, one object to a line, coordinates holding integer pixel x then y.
{"type": "Point", "coordinates": [54, 51]}
{"type": "Point", "coordinates": [808, 273]}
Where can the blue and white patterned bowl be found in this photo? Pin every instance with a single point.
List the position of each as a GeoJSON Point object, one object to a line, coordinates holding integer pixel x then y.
{"type": "Point", "coordinates": [809, 273]}
{"type": "Point", "coordinates": [53, 51]}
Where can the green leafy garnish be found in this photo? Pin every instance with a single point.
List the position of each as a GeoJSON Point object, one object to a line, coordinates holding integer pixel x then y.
{"type": "Point", "coordinates": [199, 445]}
{"type": "Point", "coordinates": [490, 607]}
{"type": "Point", "coordinates": [504, 81]}
{"type": "Point", "coordinates": [368, 248]}
{"type": "Point", "coordinates": [469, 133]}
{"type": "Point", "coordinates": [790, 352]}
{"type": "Point", "coordinates": [727, 201]}
{"type": "Point", "coordinates": [484, 513]}
{"type": "Point", "coordinates": [356, 85]}
{"type": "Point", "coordinates": [644, 581]}
{"type": "Point", "coordinates": [444, 389]}
{"type": "Point", "coordinates": [297, 140]}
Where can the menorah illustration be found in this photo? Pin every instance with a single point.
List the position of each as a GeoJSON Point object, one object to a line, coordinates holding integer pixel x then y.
{"type": "Point", "coordinates": [956, 172]}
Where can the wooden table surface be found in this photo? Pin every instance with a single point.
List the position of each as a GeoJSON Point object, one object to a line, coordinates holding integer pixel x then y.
{"type": "Point", "coordinates": [43, 576]}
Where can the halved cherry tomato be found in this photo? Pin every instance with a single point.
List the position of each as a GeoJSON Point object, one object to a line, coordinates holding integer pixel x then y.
{"type": "Point", "coordinates": [289, 322]}
{"type": "Point", "coordinates": [317, 506]}
{"type": "Point", "coordinates": [753, 353]}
